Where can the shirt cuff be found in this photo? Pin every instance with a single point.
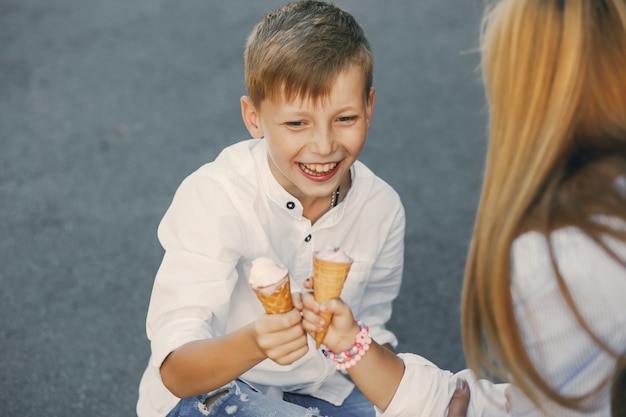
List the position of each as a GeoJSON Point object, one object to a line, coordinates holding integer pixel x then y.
{"type": "Point", "coordinates": [174, 335]}
{"type": "Point", "coordinates": [426, 390]}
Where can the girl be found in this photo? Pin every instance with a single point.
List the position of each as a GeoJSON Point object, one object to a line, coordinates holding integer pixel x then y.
{"type": "Point", "coordinates": [545, 282]}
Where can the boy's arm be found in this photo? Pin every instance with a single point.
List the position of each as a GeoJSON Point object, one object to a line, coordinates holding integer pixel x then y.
{"type": "Point", "coordinates": [204, 365]}
{"type": "Point", "coordinates": [191, 300]}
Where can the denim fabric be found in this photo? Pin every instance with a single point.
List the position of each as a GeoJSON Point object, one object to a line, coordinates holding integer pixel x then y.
{"type": "Point", "coordinates": [239, 401]}
{"type": "Point", "coordinates": [356, 405]}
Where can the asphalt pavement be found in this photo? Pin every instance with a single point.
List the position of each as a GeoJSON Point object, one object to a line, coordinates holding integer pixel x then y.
{"type": "Point", "coordinates": [105, 106]}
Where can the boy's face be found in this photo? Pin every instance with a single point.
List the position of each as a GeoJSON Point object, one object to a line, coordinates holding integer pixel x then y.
{"type": "Point", "coordinates": [312, 144]}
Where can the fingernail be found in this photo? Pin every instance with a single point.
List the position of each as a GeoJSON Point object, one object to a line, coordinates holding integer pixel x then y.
{"type": "Point", "coordinates": [460, 384]}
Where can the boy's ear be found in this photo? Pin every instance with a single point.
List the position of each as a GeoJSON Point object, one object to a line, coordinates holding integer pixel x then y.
{"type": "Point", "coordinates": [250, 117]}
{"type": "Point", "coordinates": [370, 106]}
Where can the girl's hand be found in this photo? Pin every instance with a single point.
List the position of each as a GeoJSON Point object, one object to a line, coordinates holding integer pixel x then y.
{"type": "Point", "coordinates": [342, 328]}
{"type": "Point", "coordinates": [459, 403]}
{"type": "Point", "coordinates": [280, 337]}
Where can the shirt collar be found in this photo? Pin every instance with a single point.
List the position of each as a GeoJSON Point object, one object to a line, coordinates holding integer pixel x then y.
{"type": "Point", "coordinates": [288, 203]}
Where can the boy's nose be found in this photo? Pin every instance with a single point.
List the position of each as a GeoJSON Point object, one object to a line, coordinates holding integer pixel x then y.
{"type": "Point", "coordinates": [323, 142]}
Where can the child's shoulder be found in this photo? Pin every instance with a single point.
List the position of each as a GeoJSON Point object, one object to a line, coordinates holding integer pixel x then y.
{"type": "Point", "coordinates": [232, 161]}
{"type": "Point", "coordinates": [235, 157]}
{"type": "Point", "coordinates": [236, 166]}
{"type": "Point", "coordinates": [371, 185]}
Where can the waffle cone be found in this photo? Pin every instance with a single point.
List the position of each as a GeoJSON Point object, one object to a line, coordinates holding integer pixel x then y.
{"type": "Point", "coordinates": [278, 301]}
{"type": "Point", "coordinates": [328, 279]}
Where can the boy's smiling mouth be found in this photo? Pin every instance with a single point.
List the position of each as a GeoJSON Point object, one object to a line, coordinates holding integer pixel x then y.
{"type": "Point", "coordinates": [318, 170]}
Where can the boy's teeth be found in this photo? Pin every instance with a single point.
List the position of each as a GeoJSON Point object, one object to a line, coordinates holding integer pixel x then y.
{"type": "Point", "coordinates": [318, 168]}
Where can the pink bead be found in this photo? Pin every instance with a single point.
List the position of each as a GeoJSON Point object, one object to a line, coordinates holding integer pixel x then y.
{"type": "Point", "coordinates": [347, 359]}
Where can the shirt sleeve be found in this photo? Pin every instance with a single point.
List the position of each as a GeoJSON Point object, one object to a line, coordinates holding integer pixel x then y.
{"type": "Point", "coordinates": [192, 288]}
{"type": "Point", "coordinates": [425, 390]}
{"type": "Point", "coordinates": [383, 286]}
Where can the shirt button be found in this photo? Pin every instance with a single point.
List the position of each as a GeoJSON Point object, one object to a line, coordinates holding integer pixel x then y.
{"type": "Point", "coordinates": [291, 205]}
{"type": "Point", "coordinates": [307, 239]}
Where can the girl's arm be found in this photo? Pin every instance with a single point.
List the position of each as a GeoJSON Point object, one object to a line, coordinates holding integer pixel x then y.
{"type": "Point", "coordinates": [377, 374]}
{"type": "Point", "coordinates": [379, 371]}
{"type": "Point", "coordinates": [204, 365]}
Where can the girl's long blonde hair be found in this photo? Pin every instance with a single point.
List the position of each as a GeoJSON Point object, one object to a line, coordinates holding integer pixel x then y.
{"type": "Point", "coordinates": [555, 79]}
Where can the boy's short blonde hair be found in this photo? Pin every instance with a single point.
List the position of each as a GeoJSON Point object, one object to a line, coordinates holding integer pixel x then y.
{"type": "Point", "coordinates": [299, 49]}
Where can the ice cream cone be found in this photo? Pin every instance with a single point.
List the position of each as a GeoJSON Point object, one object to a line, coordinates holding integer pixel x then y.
{"type": "Point", "coordinates": [276, 299]}
{"type": "Point", "coordinates": [270, 282]}
{"type": "Point", "coordinates": [328, 279]}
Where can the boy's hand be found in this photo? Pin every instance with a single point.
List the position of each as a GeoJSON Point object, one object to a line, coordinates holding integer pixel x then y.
{"type": "Point", "coordinates": [281, 337]}
{"type": "Point", "coordinates": [342, 328]}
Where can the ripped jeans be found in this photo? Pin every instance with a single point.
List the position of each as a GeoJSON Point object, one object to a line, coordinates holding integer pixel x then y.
{"type": "Point", "coordinates": [238, 399]}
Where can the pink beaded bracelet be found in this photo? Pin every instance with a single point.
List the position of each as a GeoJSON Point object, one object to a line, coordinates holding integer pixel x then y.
{"type": "Point", "coordinates": [349, 358]}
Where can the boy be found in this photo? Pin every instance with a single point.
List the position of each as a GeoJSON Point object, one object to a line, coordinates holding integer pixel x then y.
{"type": "Point", "coordinates": [296, 188]}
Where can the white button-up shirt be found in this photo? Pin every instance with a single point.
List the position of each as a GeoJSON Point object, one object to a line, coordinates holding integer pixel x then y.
{"type": "Point", "coordinates": [425, 391]}
{"type": "Point", "coordinates": [560, 348]}
{"type": "Point", "coordinates": [231, 211]}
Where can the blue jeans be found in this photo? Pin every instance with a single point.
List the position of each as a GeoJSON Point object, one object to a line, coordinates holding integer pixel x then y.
{"type": "Point", "coordinates": [355, 405]}
{"type": "Point", "coordinates": [240, 400]}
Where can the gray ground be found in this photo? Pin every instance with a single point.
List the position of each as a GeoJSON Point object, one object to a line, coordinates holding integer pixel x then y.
{"type": "Point", "coordinates": [105, 106]}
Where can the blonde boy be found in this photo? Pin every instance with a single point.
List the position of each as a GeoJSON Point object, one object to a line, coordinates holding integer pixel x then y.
{"type": "Point", "coordinates": [295, 188]}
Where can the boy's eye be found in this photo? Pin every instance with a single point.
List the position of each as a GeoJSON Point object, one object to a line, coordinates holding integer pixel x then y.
{"type": "Point", "coordinates": [344, 119]}
{"type": "Point", "coordinates": [295, 123]}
